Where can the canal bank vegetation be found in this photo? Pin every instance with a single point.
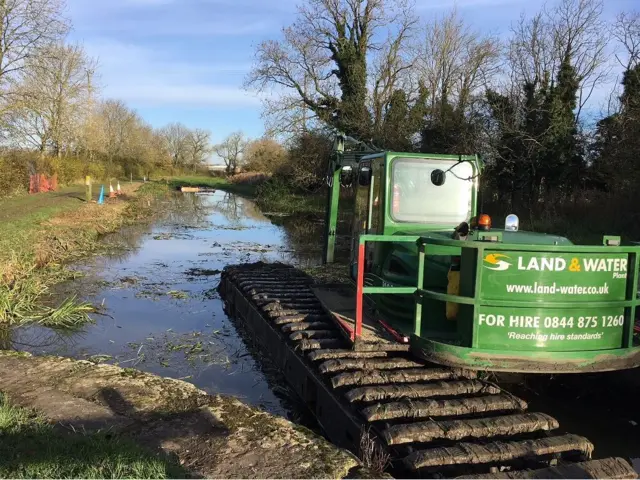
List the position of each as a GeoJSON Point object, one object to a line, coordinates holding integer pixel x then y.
{"type": "Point", "coordinates": [552, 107]}
{"type": "Point", "coordinates": [287, 178]}
{"type": "Point", "coordinates": [41, 236]}
{"type": "Point", "coordinates": [227, 183]}
{"type": "Point", "coordinates": [271, 194]}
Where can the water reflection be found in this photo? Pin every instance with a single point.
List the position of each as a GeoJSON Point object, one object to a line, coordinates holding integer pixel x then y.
{"type": "Point", "coordinates": [159, 310]}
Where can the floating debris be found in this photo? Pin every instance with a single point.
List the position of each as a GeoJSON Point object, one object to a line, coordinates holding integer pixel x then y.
{"type": "Point", "coordinates": [99, 358]}
{"type": "Point", "coordinates": [178, 294]}
{"type": "Point", "coordinates": [173, 236]}
{"type": "Point", "coordinates": [203, 272]}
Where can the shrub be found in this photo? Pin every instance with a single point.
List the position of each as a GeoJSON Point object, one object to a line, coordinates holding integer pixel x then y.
{"type": "Point", "coordinates": [264, 155]}
{"type": "Point", "coordinates": [15, 168]}
{"type": "Point", "coordinates": [249, 178]}
{"type": "Point", "coordinates": [69, 170]}
{"type": "Point", "coordinates": [307, 161]}
{"type": "Point", "coordinates": [273, 191]}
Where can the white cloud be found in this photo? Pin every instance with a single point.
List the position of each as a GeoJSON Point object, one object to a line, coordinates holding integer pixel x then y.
{"type": "Point", "coordinates": [153, 28]}
{"type": "Point", "coordinates": [156, 93]}
{"type": "Point", "coordinates": [170, 18]}
{"type": "Point", "coordinates": [144, 77]}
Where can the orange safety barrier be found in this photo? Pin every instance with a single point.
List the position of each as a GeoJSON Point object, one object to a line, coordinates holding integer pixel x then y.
{"type": "Point", "coordinates": [39, 183]}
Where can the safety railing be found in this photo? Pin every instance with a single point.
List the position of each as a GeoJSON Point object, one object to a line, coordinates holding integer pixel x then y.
{"type": "Point", "coordinates": [361, 289]}
{"type": "Point", "coordinates": [424, 244]}
{"type": "Point", "coordinates": [630, 302]}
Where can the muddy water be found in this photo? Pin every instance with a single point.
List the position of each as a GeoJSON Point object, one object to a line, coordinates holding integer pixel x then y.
{"type": "Point", "coordinates": [159, 310]}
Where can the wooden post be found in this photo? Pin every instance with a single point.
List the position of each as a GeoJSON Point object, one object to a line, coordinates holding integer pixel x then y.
{"type": "Point", "coordinates": [87, 184]}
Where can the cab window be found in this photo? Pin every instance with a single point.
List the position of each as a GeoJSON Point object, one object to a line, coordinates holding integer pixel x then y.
{"type": "Point", "coordinates": [415, 198]}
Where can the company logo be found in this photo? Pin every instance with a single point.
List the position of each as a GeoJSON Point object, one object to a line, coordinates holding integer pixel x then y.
{"type": "Point", "coordinates": [493, 261]}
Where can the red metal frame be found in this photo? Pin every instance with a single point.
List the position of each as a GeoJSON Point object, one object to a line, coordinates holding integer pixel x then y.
{"type": "Point", "coordinates": [394, 333]}
{"type": "Point", "coordinates": [345, 326]}
{"type": "Point", "coordinates": [359, 291]}
{"type": "Point", "coordinates": [360, 304]}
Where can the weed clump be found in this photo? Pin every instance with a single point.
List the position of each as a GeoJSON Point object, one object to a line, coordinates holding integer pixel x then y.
{"type": "Point", "coordinates": [38, 244]}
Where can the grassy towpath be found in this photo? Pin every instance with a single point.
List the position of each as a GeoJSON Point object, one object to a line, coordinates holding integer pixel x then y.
{"type": "Point", "coordinates": [43, 232]}
{"type": "Point", "coordinates": [34, 448]}
{"type": "Point", "coordinates": [42, 205]}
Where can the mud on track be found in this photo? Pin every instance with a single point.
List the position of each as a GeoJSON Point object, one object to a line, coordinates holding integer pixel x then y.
{"type": "Point", "coordinates": [432, 421]}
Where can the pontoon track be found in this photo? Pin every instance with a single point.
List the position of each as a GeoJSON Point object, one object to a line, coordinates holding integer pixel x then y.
{"type": "Point", "coordinates": [433, 421]}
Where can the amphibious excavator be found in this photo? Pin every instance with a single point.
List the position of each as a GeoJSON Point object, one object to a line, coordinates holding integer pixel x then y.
{"type": "Point", "coordinates": [432, 281]}
{"type": "Point", "coordinates": [434, 272]}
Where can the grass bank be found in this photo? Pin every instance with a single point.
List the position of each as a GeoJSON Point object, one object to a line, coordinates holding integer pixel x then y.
{"type": "Point", "coordinates": [32, 448]}
{"type": "Point", "coordinates": [42, 233]}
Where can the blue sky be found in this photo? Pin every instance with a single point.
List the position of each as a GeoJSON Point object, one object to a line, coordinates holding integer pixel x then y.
{"type": "Point", "coordinates": [186, 60]}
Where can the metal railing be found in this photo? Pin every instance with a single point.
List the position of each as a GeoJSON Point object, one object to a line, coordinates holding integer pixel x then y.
{"type": "Point", "coordinates": [361, 289]}
{"type": "Point", "coordinates": [630, 302]}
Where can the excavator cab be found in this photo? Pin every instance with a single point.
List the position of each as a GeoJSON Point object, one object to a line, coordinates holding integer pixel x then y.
{"type": "Point", "coordinates": [400, 194]}
{"type": "Point", "coordinates": [467, 293]}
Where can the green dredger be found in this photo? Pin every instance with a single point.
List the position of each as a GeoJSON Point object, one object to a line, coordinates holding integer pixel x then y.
{"type": "Point", "coordinates": [465, 294]}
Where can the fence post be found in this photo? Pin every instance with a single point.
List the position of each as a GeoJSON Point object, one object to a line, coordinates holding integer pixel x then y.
{"type": "Point", "coordinates": [87, 184]}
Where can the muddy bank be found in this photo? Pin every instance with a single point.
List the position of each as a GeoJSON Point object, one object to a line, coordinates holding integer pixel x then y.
{"type": "Point", "coordinates": [211, 435]}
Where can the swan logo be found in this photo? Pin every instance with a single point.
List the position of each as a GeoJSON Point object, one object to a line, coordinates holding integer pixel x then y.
{"type": "Point", "coordinates": [494, 261]}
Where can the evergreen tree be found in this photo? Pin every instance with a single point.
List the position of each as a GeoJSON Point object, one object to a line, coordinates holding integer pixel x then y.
{"type": "Point", "coordinates": [402, 121]}
{"type": "Point", "coordinates": [562, 155]}
{"type": "Point", "coordinates": [616, 150]}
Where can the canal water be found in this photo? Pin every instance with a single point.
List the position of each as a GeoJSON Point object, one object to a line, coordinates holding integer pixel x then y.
{"type": "Point", "coordinates": [159, 311]}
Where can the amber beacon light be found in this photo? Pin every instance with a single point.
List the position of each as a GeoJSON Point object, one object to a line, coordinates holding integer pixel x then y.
{"type": "Point", "coordinates": [484, 222]}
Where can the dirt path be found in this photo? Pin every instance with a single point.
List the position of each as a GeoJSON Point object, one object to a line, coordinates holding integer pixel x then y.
{"type": "Point", "coordinates": [212, 436]}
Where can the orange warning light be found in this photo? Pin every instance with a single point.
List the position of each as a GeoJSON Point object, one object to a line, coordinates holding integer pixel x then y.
{"type": "Point", "coordinates": [484, 222]}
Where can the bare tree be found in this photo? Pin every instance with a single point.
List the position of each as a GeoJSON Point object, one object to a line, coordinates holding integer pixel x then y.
{"type": "Point", "coordinates": [231, 150]}
{"type": "Point", "coordinates": [454, 61]}
{"type": "Point", "coordinates": [572, 29]}
{"type": "Point", "coordinates": [52, 91]}
{"type": "Point", "coordinates": [530, 53]}
{"type": "Point", "coordinates": [579, 31]}
{"type": "Point", "coordinates": [198, 147]}
{"type": "Point", "coordinates": [25, 27]}
{"type": "Point", "coordinates": [322, 59]}
{"type": "Point", "coordinates": [116, 121]}
{"type": "Point", "coordinates": [90, 138]}
{"type": "Point", "coordinates": [626, 30]}
{"type": "Point", "coordinates": [177, 140]}
{"type": "Point", "coordinates": [391, 69]}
